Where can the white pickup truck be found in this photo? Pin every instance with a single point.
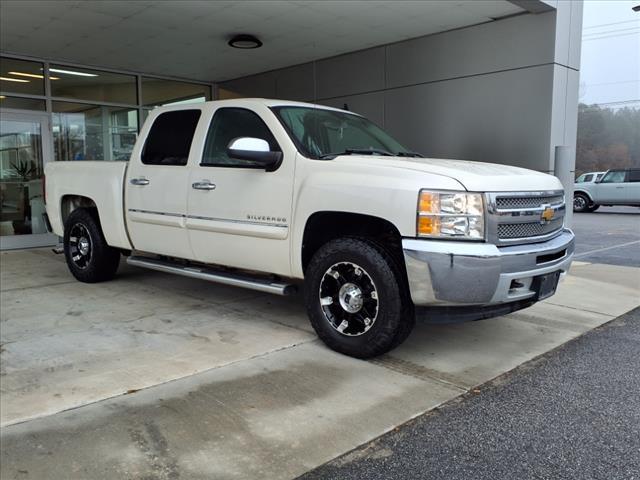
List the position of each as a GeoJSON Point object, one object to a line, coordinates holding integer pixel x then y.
{"type": "Point", "coordinates": [264, 194]}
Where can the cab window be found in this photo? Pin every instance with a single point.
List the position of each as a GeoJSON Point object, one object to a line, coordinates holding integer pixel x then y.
{"type": "Point", "coordinates": [634, 176]}
{"type": "Point", "coordinates": [227, 125]}
{"type": "Point", "coordinates": [615, 176]}
{"type": "Point", "coordinates": [170, 137]}
{"type": "Point", "coordinates": [587, 178]}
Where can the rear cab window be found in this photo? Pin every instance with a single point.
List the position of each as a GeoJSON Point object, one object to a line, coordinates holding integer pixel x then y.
{"type": "Point", "coordinates": [634, 175]}
{"type": "Point", "coordinates": [170, 137]}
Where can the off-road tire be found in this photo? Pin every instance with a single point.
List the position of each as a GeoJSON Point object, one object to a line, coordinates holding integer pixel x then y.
{"type": "Point", "coordinates": [395, 317]}
{"type": "Point", "coordinates": [102, 261]}
{"type": "Point", "coordinates": [581, 203]}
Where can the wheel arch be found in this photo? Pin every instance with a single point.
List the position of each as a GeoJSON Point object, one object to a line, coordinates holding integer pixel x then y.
{"type": "Point", "coordinates": [71, 202]}
{"type": "Point", "coordinates": [324, 226]}
{"type": "Point", "coordinates": [584, 192]}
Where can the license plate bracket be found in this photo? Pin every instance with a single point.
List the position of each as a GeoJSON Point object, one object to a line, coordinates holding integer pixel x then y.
{"type": "Point", "coordinates": [546, 285]}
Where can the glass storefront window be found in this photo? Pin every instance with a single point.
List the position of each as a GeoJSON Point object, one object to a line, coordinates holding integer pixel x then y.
{"type": "Point", "coordinates": [93, 132]}
{"type": "Point", "coordinates": [21, 166]}
{"type": "Point", "coordinates": [21, 76]}
{"type": "Point", "coordinates": [157, 92]}
{"type": "Point", "coordinates": [22, 103]}
{"type": "Point", "coordinates": [92, 85]}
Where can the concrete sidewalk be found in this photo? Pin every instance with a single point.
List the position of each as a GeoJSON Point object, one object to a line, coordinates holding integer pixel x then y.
{"type": "Point", "coordinates": [164, 377]}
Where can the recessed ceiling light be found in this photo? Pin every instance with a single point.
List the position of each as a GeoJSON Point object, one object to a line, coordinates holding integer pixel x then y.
{"type": "Point", "coordinates": [72, 72]}
{"type": "Point", "coordinates": [17, 80]}
{"type": "Point", "coordinates": [245, 42]}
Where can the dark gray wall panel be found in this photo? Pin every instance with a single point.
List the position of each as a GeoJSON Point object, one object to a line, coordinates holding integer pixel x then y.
{"type": "Point", "coordinates": [357, 72]}
{"type": "Point", "coordinates": [497, 118]}
{"type": "Point", "coordinates": [295, 83]}
{"type": "Point", "coordinates": [261, 85]}
{"type": "Point", "coordinates": [513, 43]}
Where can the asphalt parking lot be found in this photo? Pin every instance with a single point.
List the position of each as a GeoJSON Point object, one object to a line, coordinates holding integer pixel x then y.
{"type": "Point", "coordinates": [609, 235]}
{"type": "Point", "coordinates": [573, 413]}
{"type": "Point", "coordinates": [155, 376]}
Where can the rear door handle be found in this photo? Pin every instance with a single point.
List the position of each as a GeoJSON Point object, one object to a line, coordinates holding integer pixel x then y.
{"type": "Point", "coordinates": [203, 185]}
{"type": "Point", "coordinates": [139, 181]}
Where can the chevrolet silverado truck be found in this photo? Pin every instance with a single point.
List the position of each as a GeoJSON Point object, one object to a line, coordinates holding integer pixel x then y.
{"type": "Point", "coordinates": [271, 195]}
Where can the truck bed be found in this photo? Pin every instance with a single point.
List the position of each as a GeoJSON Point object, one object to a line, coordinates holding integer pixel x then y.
{"type": "Point", "coordinates": [101, 182]}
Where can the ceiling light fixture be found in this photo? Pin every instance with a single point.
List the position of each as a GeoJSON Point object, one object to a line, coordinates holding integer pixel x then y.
{"type": "Point", "coordinates": [32, 75]}
{"type": "Point", "coordinates": [17, 80]}
{"type": "Point", "coordinates": [636, 8]}
{"type": "Point", "coordinates": [72, 72]}
{"type": "Point", "coordinates": [244, 42]}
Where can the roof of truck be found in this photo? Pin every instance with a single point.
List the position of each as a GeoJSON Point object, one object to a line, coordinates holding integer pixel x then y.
{"type": "Point", "coordinates": [269, 102]}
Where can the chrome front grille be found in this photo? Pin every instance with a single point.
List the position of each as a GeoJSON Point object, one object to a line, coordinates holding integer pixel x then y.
{"type": "Point", "coordinates": [524, 217]}
{"type": "Point", "coordinates": [510, 203]}
{"type": "Point", "coordinates": [524, 230]}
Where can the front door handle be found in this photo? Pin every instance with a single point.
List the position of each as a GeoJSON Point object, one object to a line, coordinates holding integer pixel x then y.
{"type": "Point", "coordinates": [203, 185]}
{"type": "Point", "coordinates": [139, 181]}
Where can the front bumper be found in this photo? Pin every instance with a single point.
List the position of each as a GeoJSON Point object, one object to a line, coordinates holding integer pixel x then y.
{"type": "Point", "coordinates": [449, 273]}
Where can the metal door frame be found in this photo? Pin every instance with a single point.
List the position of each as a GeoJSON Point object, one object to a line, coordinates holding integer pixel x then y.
{"type": "Point", "coordinates": [13, 242]}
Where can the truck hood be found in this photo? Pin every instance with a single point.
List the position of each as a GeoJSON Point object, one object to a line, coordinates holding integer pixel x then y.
{"type": "Point", "coordinates": [474, 176]}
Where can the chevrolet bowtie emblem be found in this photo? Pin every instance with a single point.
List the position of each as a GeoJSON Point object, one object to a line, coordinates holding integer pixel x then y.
{"type": "Point", "coordinates": [547, 215]}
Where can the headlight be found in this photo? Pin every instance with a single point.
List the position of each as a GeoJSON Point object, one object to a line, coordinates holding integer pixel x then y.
{"type": "Point", "coordinates": [450, 215]}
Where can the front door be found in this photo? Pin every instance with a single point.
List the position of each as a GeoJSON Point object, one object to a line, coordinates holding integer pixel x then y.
{"type": "Point", "coordinates": [239, 214]}
{"type": "Point", "coordinates": [611, 188]}
{"type": "Point", "coordinates": [25, 146]}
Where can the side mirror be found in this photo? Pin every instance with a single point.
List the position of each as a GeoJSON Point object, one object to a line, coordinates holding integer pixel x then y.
{"type": "Point", "coordinates": [255, 150]}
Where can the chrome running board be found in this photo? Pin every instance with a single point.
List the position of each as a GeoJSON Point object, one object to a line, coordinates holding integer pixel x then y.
{"type": "Point", "coordinates": [210, 275]}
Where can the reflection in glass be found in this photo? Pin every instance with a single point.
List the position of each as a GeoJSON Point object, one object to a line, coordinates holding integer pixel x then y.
{"type": "Point", "coordinates": [156, 92]}
{"type": "Point", "coordinates": [21, 194]}
{"type": "Point", "coordinates": [92, 85]}
{"type": "Point", "coordinates": [21, 76]}
{"type": "Point", "coordinates": [92, 132]}
{"type": "Point", "coordinates": [21, 103]}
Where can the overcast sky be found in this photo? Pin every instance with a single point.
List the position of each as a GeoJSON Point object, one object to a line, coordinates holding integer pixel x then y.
{"type": "Point", "coordinates": [610, 65]}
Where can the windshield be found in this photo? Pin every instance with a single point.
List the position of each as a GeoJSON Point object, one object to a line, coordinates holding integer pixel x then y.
{"type": "Point", "coordinates": [324, 134]}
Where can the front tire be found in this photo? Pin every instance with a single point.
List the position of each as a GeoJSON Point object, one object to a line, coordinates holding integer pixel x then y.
{"type": "Point", "coordinates": [89, 258]}
{"type": "Point", "coordinates": [355, 298]}
{"type": "Point", "coordinates": [581, 203]}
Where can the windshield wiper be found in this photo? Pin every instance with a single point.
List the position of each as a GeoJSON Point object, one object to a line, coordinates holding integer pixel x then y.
{"type": "Point", "coordinates": [358, 151]}
{"type": "Point", "coordinates": [409, 154]}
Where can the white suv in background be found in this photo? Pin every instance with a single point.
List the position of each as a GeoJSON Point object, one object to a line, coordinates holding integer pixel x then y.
{"type": "Point", "coordinates": [590, 177]}
{"type": "Point", "coordinates": [616, 187]}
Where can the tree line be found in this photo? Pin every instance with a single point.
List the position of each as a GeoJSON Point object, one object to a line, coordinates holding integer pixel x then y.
{"type": "Point", "coordinates": [607, 138]}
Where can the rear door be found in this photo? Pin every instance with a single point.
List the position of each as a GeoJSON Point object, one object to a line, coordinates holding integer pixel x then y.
{"type": "Point", "coordinates": [157, 184]}
{"type": "Point", "coordinates": [611, 189]}
{"type": "Point", "coordinates": [633, 187]}
{"type": "Point", "coordinates": [238, 213]}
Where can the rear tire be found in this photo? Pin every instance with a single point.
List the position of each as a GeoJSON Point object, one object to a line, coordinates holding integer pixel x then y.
{"type": "Point", "coordinates": [593, 208]}
{"type": "Point", "coordinates": [89, 258]}
{"type": "Point", "coordinates": [581, 203]}
{"type": "Point", "coordinates": [356, 299]}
